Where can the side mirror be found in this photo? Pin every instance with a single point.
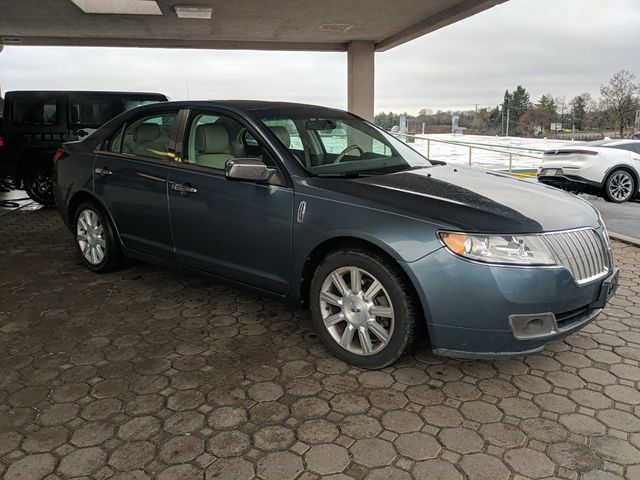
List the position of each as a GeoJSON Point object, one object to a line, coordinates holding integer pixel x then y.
{"type": "Point", "coordinates": [248, 169]}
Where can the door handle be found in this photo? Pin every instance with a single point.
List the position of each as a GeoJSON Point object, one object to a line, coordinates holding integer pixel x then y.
{"type": "Point", "coordinates": [103, 171]}
{"type": "Point", "coordinates": [182, 188]}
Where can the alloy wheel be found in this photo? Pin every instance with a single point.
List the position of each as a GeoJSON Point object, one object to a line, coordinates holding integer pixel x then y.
{"type": "Point", "coordinates": [357, 311]}
{"type": "Point", "coordinates": [90, 236]}
{"type": "Point", "coordinates": [620, 186]}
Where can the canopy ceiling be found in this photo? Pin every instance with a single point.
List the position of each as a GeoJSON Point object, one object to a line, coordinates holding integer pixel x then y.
{"type": "Point", "coordinates": [323, 25]}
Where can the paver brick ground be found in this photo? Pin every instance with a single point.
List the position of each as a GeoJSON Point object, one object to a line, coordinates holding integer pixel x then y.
{"type": "Point", "coordinates": [152, 373]}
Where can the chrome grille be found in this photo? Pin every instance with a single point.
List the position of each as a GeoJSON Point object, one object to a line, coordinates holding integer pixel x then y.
{"type": "Point", "coordinates": [583, 252]}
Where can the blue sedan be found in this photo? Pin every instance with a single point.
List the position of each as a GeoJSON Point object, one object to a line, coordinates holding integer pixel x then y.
{"type": "Point", "coordinates": [316, 206]}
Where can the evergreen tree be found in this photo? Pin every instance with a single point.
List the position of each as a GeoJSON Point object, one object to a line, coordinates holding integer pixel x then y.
{"type": "Point", "coordinates": [519, 102]}
{"type": "Point", "coordinates": [516, 104]}
{"type": "Point", "coordinates": [548, 103]}
{"type": "Point", "coordinates": [578, 106]}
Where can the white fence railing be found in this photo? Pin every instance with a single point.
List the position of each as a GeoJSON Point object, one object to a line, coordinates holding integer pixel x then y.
{"type": "Point", "coordinates": [509, 151]}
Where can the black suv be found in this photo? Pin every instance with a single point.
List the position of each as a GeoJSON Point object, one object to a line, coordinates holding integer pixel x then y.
{"type": "Point", "coordinates": [36, 123]}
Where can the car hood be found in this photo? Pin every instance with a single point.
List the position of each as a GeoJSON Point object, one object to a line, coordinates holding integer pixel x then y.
{"type": "Point", "coordinates": [472, 200]}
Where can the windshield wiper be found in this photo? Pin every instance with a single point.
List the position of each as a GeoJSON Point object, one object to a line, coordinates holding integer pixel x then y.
{"type": "Point", "coordinates": [369, 173]}
{"type": "Point", "coordinates": [339, 175]}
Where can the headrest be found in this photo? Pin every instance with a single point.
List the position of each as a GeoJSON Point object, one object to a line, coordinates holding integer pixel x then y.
{"type": "Point", "coordinates": [283, 134]}
{"type": "Point", "coordinates": [212, 138]}
{"type": "Point", "coordinates": [146, 132]}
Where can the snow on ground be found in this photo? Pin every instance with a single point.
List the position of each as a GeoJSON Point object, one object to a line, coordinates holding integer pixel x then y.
{"type": "Point", "coordinates": [492, 160]}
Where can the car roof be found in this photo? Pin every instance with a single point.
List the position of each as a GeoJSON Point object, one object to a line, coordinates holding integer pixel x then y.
{"type": "Point", "coordinates": [247, 105]}
{"type": "Point", "coordinates": [67, 92]}
{"type": "Point", "coordinates": [607, 143]}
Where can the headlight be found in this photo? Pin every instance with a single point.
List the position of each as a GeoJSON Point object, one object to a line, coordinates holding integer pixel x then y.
{"type": "Point", "coordinates": [499, 249]}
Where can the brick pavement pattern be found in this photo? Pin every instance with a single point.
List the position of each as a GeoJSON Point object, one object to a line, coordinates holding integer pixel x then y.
{"type": "Point", "coordinates": [153, 373]}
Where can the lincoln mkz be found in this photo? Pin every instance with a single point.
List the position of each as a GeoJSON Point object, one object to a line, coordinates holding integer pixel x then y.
{"type": "Point", "coordinates": [318, 207]}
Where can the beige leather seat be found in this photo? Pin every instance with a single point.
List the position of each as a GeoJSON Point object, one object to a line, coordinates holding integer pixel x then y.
{"type": "Point", "coordinates": [283, 135]}
{"type": "Point", "coordinates": [212, 146]}
{"type": "Point", "coordinates": [147, 141]}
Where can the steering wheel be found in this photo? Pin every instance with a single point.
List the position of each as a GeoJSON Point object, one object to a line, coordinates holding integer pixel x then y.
{"type": "Point", "coordinates": [347, 150]}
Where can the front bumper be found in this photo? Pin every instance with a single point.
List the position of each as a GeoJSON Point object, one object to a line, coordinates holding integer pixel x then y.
{"type": "Point", "coordinates": [468, 305]}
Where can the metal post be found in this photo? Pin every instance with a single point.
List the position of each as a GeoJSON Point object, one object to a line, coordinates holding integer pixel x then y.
{"type": "Point", "coordinates": [510, 161]}
{"type": "Point", "coordinates": [428, 148]}
{"type": "Point", "coordinates": [470, 150]}
{"type": "Point", "coordinates": [507, 124]}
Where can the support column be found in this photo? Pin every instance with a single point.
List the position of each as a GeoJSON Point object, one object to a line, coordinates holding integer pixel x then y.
{"type": "Point", "coordinates": [360, 78]}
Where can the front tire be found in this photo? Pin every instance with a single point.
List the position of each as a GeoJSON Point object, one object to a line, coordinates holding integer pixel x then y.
{"type": "Point", "coordinates": [363, 308]}
{"type": "Point", "coordinates": [619, 187]}
{"type": "Point", "coordinates": [96, 239]}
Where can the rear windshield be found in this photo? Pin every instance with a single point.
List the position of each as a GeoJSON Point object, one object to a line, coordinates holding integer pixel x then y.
{"type": "Point", "coordinates": [34, 111]}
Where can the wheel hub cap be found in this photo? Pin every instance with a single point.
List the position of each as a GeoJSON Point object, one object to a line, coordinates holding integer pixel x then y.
{"type": "Point", "coordinates": [90, 237]}
{"type": "Point", "coordinates": [620, 186]}
{"type": "Point", "coordinates": [357, 311]}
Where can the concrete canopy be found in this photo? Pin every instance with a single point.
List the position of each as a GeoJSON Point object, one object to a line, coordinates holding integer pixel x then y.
{"type": "Point", "coordinates": [359, 27]}
{"type": "Point", "coordinates": [323, 25]}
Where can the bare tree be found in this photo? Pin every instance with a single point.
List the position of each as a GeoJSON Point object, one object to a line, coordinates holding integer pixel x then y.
{"type": "Point", "coordinates": [620, 97]}
{"type": "Point", "coordinates": [561, 108]}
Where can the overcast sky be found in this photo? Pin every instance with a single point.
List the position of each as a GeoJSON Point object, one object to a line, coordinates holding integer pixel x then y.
{"type": "Point", "coordinates": [560, 46]}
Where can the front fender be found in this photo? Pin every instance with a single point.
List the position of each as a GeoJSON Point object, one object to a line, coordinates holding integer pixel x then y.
{"type": "Point", "coordinates": [403, 238]}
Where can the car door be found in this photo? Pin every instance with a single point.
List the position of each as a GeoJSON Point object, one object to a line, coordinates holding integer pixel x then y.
{"type": "Point", "coordinates": [635, 156]}
{"type": "Point", "coordinates": [234, 229]}
{"type": "Point", "coordinates": [130, 177]}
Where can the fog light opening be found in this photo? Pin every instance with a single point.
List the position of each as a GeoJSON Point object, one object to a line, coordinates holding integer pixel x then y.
{"type": "Point", "coordinates": [532, 326]}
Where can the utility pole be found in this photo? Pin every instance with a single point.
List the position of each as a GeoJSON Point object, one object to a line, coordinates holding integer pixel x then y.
{"type": "Point", "coordinates": [507, 123]}
{"type": "Point", "coordinates": [502, 123]}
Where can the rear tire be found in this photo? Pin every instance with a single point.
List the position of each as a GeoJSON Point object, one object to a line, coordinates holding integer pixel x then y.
{"type": "Point", "coordinates": [96, 239]}
{"type": "Point", "coordinates": [364, 323]}
{"type": "Point", "coordinates": [619, 187]}
{"type": "Point", "coordinates": [39, 187]}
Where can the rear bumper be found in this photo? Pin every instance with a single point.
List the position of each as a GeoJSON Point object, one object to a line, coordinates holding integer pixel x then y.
{"type": "Point", "coordinates": [468, 305]}
{"type": "Point", "coordinates": [572, 183]}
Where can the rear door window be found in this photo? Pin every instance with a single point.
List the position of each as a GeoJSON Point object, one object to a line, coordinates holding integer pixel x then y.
{"type": "Point", "coordinates": [629, 147]}
{"type": "Point", "coordinates": [148, 136]}
{"type": "Point", "coordinates": [35, 111]}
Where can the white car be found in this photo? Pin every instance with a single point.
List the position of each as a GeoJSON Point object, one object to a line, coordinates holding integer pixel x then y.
{"type": "Point", "coordinates": [609, 168]}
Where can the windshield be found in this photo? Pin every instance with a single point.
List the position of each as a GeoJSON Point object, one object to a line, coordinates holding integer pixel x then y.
{"type": "Point", "coordinates": [327, 143]}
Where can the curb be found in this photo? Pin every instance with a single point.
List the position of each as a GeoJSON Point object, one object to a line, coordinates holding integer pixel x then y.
{"type": "Point", "coordinates": [625, 239]}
